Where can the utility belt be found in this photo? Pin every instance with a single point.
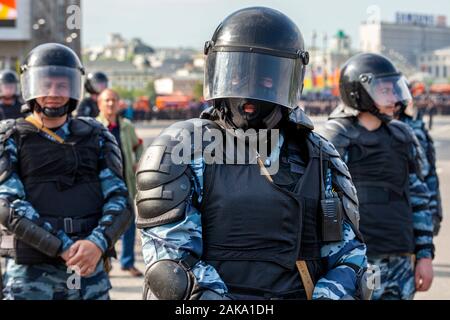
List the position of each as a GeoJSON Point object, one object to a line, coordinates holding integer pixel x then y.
{"type": "Point", "coordinates": [24, 254]}
{"type": "Point", "coordinates": [73, 226]}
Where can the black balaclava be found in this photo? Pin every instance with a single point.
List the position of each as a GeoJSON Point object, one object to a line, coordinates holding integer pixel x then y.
{"type": "Point", "coordinates": [267, 114]}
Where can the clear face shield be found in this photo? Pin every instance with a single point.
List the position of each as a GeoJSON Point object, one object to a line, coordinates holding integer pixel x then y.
{"type": "Point", "coordinates": [257, 76]}
{"type": "Point", "coordinates": [387, 92]}
{"type": "Point", "coordinates": [52, 81]}
{"type": "Point", "coordinates": [99, 86]}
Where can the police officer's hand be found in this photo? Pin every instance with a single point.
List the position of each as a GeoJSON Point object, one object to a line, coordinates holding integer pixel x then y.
{"type": "Point", "coordinates": [68, 254]}
{"type": "Point", "coordinates": [86, 257]}
{"type": "Point", "coordinates": [424, 274]}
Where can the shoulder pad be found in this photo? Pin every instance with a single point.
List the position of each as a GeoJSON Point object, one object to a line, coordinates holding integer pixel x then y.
{"type": "Point", "coordinates": [176, 130]}
{"type": "Point", "coordinates": [321, 143]}
{"type": "Point", "coordinates": [349, 199]}
{"type": "Point", "coordinates": [7, 128]}
{"type": "Point", "coordinates": [345, 184]}
{"type": "Point", "coordinates": [340, 132]}
{"type": "Point", "coordinates": [338, 164]}
{"type": "Point", "coordinates": [162, 185]}
{"type": "Point", "coordinates": [84, 126]}
{"type": "Point", "coordinates": [112, 153]}
{"type": "Point", "coordinates": [351, 210]}
{"type": "Point", "coordinates": [111, 150]}
{"type": "Point", "coordinates": [401, 131]}
{"type": "Point", "coordinates": [299, 117]}
{"type": "Point", "coordinates": [90, 121]}
{"type": "Point", "coordinates": [343, 111]}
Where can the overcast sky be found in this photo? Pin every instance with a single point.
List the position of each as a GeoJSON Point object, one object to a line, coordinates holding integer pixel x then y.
{"type": "Point", "coordinates": [189, 23]}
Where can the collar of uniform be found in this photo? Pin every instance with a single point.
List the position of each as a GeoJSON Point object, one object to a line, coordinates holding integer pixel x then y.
{"type": "Point", "coordinates": [62, 132]}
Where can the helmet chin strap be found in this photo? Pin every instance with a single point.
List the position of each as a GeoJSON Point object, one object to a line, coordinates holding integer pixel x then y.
{"type": "Point", "coordinates": [383, 117]}
{"type": "Point", "coordinates": [52, 112]}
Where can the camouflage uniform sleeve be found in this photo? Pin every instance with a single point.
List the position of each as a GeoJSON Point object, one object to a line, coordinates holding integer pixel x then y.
{"type": "Point", "coordinates": [345, 261]}
{"type": "Point", "coordinates": [173, 241]}
{"type": "Point", "coordinates": [116, 200]}
{"type": "Point", "coordinates": [431, 178]}
{"type": "Point", "coordinates": [420, 197]}
{"type": "Point", "coordinates": [13, 190]}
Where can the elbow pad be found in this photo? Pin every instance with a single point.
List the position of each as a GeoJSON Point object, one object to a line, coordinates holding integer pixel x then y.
{"type": "Point", "coordinates": [121, 222]}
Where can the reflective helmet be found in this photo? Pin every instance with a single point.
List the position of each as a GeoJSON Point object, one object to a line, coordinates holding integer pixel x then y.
{"type": "Point", "coordinates": [52, 69]}
{"type": "Point", "coordinates": [369, 81]}
{"type": "Point", "coordinates": [96, 82]}
{"type": "Point", "coordinates": [255, 57]}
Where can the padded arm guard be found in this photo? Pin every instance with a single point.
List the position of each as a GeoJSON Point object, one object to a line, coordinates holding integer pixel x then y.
{"type": "Point", "coordinates": [342, 181]}
{"type": "Point", "coordinates": [7, 128]}
{"type": "Point", "coordinates": [29, 232]}
{"type": "Point", "coordinates": [121, 221]}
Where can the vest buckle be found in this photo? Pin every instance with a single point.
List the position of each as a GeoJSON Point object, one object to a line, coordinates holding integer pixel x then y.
{"type": "Point", "coordinates": [68, 225]}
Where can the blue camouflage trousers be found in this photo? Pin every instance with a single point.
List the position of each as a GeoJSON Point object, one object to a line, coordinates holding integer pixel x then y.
{"type": "Point", "coordinates": [53, 282]}
{"type": "Point", "coordinates": [396, 278]}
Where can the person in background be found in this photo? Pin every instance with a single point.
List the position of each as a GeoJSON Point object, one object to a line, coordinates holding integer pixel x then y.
{"type": "Point", "coordinates": [63, 201]}
{"type": "Point", "coordinates": [94, 85]}
{"type": "Point", "coordinates": [131, 147]}
{"type": "Point", "coordinates": [10, 102]}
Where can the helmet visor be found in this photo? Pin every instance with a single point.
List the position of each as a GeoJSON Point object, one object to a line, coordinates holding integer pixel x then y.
{"type": "Point", "coordinates": [387, 91]}
{"type": "Point", "coordinates": [253, 76]}
{"type": "Point", "coordinates": [99, 86]}
{"type": "Point", "coordinates": [52, 81]}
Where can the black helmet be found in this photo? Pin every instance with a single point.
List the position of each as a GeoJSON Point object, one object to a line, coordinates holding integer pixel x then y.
{"type": "Point", "coordinates": [52, 62]}
{"type": "Point", "coordinates": [256, 55]}
{"type": "Point", "coordinates": [9, 84]}
{"type": "Point", "coordinates": [96, 82]}
{"type": "Point", "coordinates": [369, 80]}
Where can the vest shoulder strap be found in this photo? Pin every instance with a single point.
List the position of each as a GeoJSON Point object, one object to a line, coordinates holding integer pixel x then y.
{"type": "Point", "coordinates": [341, 132]}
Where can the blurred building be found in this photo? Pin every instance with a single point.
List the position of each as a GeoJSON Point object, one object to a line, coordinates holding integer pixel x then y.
{"type": "Point", "coordinates": [406, 38]}
{"type": "Point", "coordinates": [122, 74]}
{"type": "Point", "coordinates": [436, 63]}
{"type": "Point", "coordinates": [326, 62]}
{"type": "Point", "coordinates": [178, 85]}
{"type": "Point", "coordinates": [25, 24]}
{"type": "Point", "coordinates": [121, 49]}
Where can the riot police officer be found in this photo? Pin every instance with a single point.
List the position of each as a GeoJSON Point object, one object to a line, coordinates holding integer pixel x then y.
{"type": "Point", "coordinates": [95, 83]}
{"type": "Point", "coordinates": [384, 159]}
{"type": "Point", "coordinates": [409, 115]}
{"type": "Point", "coordinates": [63, 202]}
{"type": "Point", "coordinates": [214, 230]}
{"type": "Point", "coordinates": [10, 103]}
